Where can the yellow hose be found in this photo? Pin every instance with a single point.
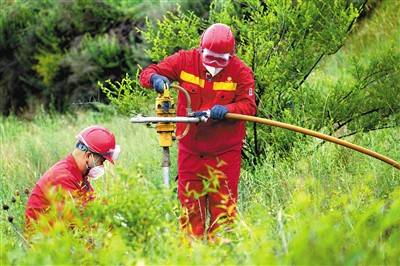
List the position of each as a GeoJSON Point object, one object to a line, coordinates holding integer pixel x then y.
{"type": "Point", "coordinates": [314, 134]}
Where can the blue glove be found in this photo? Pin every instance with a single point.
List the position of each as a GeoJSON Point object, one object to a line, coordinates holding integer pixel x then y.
{"type": "Point", "coordinates": [218, 112]}
{"type": "Point", "coordinates": [158, 82]}
{"type": "Point", "coordinates": [200, 114]}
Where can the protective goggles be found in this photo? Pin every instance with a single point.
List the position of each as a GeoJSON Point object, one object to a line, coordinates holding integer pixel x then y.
{"type": "Point", "coordinates": [215, 59]}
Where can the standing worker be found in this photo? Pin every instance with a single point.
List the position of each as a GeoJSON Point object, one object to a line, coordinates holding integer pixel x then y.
{"type": "Point", "coordinates": [209, 155]}
{"type": "Point", "coordinates": [71, 176]}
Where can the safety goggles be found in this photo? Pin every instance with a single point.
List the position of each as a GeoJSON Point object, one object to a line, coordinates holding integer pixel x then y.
{"type": "Point", "coordinates": [215, 59]}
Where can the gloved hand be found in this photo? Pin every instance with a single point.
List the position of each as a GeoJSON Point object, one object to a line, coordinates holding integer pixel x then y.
{"type": "Point", "coordinates": [200, 114]}
{"type": "Point", "coordinates": [158, 82]}
{"type": "Point", "coordinates": [218, 112]}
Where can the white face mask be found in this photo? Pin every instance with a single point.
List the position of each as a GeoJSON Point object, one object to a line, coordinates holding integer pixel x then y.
{"type": "Point", "coordinates": [213, 70]}
{"type": "Point", "coordinates": [96, 171]}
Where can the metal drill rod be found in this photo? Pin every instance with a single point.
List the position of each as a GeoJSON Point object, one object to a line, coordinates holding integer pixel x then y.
{"type": "Point", "coordinates": [166, 163]}
{"type": "Point", "coordinates": [176, 119]}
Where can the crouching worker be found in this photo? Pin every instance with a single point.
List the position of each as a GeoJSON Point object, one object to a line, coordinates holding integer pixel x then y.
{"type": "Point", "coordinates": [69, 179]}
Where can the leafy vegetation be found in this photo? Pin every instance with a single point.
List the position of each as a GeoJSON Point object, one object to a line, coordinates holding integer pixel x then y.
{"type": "Point", "coordinates": [52, 53]}
{"type": "Point", "coordinates": [304, 202]}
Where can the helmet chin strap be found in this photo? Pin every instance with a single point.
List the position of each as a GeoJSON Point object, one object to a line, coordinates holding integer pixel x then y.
{"type": "Point", "coordinates": [86, 170]}
{"type": "Point", "coordinates": [88, 167]}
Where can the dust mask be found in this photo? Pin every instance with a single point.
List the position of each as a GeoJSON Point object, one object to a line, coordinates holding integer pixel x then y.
{"type": "Point", "coordinates": [95, 172]}
{"type": "Point", "coordinates": [213, 70]}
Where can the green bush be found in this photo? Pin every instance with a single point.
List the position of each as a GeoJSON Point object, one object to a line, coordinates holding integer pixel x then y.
{"type": "Point", "coordinates": [128, 96]}
{"type": "Point", "coordinates": [36, 44]}
{"type": "Point", "coordinates": [52, 53]}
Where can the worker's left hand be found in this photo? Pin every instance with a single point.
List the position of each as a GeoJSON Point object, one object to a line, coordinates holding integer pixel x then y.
{"type": "Point", "coordinates": [218, 112]}
{"type": "Point", "coordinates": [159, 82]}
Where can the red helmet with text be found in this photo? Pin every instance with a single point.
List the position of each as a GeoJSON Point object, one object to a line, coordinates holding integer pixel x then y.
{"type": "Point", "coordinates": [100, 140]}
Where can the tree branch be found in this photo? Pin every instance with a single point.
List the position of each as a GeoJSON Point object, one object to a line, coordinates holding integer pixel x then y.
{"type": "Point", "coordinates": [309, 71]}
{"type": "Point", "coordinates": [365, 84]}
{"type": "Point", "coordinates": [366, 130]}
{"type": "Point", "coordinates": [359, 13]}
{"type": "Point", "coordinates": [340, 125]}
{"type": "Point", "coordinates": [322, 55]}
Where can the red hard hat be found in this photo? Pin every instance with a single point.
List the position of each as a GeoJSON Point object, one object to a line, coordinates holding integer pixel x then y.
{"type": "Point", "coordinates": [100, 140]}
{"type": "Point", "coordinates": [219, 39]}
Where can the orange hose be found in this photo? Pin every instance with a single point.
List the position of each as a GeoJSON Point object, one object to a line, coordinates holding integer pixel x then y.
{"type": "Point", "coordinates": [314, 134]}
{"type": "Point", "coordinates": [188, 108]}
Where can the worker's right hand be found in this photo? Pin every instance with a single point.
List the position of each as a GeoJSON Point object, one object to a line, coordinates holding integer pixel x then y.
{"type": "Point", "coordinates": [159, 82]}
{"type": "Point", "coordinates": [201, 113]}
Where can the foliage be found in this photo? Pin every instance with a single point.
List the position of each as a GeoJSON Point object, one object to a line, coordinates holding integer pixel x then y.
{"type": "Point", "coordinates": [359, 85]}
{"type": "Point", "coordinates": [366, 100]}
{"type": "Point", "coordinates": [30, 46]}
{"type": "Point", "coordinates": [174, 32]}
{"type": "Point", "coordinates": [47, 66]}
{"type": "Point", "coordinates": [52, 53]}
{"type": "Point", "coordinates": [127, 95]}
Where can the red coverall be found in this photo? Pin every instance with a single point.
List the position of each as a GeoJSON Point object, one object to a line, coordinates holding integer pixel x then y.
{"type": "Point", "coordinates": [211, 151]}
{"type": "Point", "coordinates": [65, 175]}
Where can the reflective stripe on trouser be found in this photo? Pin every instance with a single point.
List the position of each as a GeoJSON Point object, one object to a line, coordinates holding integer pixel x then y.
{"type": "Point", "coordinates": [208, 184]}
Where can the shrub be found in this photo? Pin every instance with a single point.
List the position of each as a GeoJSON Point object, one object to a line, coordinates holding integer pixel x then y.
{"type": "Point", "coordinates": [52, 53]}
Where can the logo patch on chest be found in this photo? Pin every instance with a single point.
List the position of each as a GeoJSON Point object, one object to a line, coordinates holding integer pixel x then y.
{"type": "Point", "coordinates": [251, 92]}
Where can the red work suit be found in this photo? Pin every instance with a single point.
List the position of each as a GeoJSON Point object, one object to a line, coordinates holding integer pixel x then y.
{"type": "Point", "coordinates": [64, 175]}
{"type": "Point", "coordinates": [211, 151]}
